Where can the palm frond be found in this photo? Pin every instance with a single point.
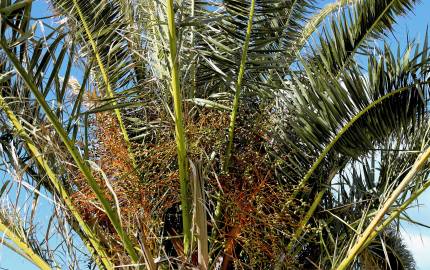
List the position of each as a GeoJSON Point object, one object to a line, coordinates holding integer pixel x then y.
{"type": "Point", "coordinates": [8, 230]}
{"type": "Point", "coordinates": [351, 31]}
{"type": "Point", "coordinates": [275, 30]}
{"type": "Point", "coordinates": [345, 128]}
{"type": "Point", "coordinates": [324, 105]}
{"type": "Point", "coordinates": [100, 29]}
{"type": "Point", "coordinates": [69, 146]}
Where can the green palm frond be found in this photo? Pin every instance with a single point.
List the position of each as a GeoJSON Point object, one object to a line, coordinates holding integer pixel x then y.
{"type": "Point", "coordinates": [102, 27]}
{"type": "Point", "coordinates": [313, 24]}
{"type": "Point", "coordinates": [325, 104]}
{"type": "Point", "coordinates": [351, 31]}
{"type": "Point", "coordinates": [107, 25]}
{"type": "Point", "coordinates": [339, 113]}
{"type": "Point", "coordinates": [276, 28]}
{"type": "Point", "coordinates": [71, 148]}
{"type": "Point", "coordinates": [320, 117]}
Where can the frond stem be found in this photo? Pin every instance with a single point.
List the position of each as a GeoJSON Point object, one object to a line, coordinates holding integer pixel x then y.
{"type": "Point", "coordinates": [324, 153]}
{"type": "Point", "coordinates": [238, 88]}
{"type": "Point", "coordinates": [57, 185]}
{"type": "Point", "coordinates": [344, 129]}
{"type": "Point", "coordinates": [31, 255]}
{"type": "Point", "coordinates": [105, 77]}
{"type": "Point", "coordinates": [364, 237]}
{"type": "Point", "coordinates": [179, 130]}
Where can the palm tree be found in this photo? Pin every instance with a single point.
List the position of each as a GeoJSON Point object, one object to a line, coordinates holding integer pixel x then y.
{"type": "Point", "coordinates": [211, 134]}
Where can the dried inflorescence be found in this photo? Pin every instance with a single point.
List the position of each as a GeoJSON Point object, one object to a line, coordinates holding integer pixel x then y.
{"type": "Point", "coordinates": [253, 228]}
{"type": "Point", "coordinates": [110, 155]}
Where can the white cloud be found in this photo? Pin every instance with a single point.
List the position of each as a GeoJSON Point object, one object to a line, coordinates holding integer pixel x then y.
{"type": "Point", "coordinates": [419, 245]}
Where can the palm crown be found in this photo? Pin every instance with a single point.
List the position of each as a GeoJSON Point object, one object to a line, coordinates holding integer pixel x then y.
{"type": "Point", "coordinates": [217, 134]}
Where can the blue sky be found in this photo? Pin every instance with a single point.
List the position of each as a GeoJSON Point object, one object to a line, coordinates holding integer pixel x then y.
{"type": "Point", "coordinates": [417, 239]}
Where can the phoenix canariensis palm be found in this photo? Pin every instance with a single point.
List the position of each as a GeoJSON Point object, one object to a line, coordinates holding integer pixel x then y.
{"type": "Point", "coordinates": [218, 134]}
